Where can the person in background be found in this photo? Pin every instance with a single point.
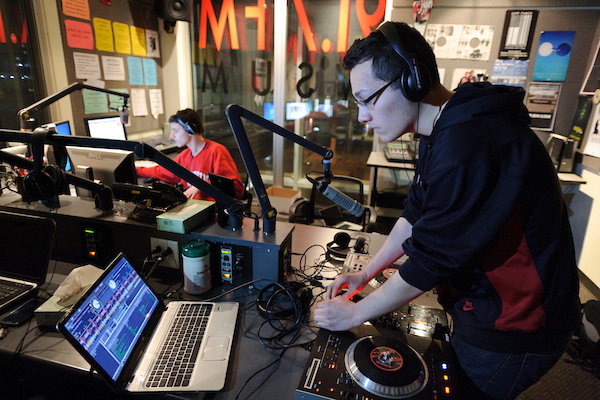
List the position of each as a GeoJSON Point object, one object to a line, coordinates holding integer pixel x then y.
{"type": "Point", "coordinates": [484, 221]}
{"type": "Point", "coordinates": [200, 157]}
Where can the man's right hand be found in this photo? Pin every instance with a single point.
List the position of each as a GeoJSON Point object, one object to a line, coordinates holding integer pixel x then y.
{"type": "Point", "coordinates": [354, 283]}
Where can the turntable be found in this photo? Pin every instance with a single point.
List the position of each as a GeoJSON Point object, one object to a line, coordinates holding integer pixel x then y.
{"type": "Point", "coordinates": [405, 354]}
{"type": "Point", "coordinates": [376, 363]}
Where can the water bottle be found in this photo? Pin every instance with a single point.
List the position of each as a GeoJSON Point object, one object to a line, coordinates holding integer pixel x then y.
{"type": "Point", "coordinates": [196, 267]}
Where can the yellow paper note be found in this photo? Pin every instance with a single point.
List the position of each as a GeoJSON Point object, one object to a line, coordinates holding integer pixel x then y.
{"type": "Point", "coordinates": [138, 41]}
{"type": "Point", "coordinates": [122, 42]}
{"type": "Point", "coordinates": [104, 37]}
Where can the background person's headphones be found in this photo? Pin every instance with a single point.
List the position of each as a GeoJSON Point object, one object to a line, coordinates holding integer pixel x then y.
{"type": "Point", "coordinates": [189, 127]}
{"type": "Point", "coordinates": [415, 80]}
{"type": "Point", "coordinates": [43, 183]}
{"type": "Point", "coordinates": [340, 246]}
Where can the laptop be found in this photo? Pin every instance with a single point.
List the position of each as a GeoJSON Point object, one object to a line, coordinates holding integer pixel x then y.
{"type": "Point", "coordinates": [126, 333]}
{"type": "Point", "coordinates": [25, 249]}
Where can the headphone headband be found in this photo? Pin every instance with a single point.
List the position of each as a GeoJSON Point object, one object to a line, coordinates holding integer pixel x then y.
{"type": "Point", "coordinates": [415, 85]}
{"type": "Point", "coordinates": [186, 126]}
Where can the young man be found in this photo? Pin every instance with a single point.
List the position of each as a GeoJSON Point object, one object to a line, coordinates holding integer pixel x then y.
{"type": "Point", "coordinates": [484, 220]}
{"type": "Point", "coordinates": [201, 156]}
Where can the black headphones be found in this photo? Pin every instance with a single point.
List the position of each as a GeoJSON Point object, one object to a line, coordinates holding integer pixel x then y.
{"type": "Point", "coordinates": [283, 300]}
{"type": "Point", "coordinates": [415, 80]}
{"type": "Point", "coordinates": [339, 248]}
{"type": "Point", "coordinates": [189, 127]}
{"type": "Point", "coordinates": [43, 183]}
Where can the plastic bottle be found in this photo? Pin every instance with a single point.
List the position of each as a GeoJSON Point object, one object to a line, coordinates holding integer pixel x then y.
{"type": "Point", "coordinates": [196, 267]}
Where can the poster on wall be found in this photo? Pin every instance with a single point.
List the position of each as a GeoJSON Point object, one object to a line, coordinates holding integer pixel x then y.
{"type": "Point", "coordinates": [471, 42]}
{"type": "Point", "coordinates": [517, 35]}
{"type": "Point", "coordinates": [510, 72]}
{"type": "Point", "coordinates": [592, 147]}
{"type": "Point", "coordinates": [542, 101]}
{"type": "Point", "coordinates": [580, 121]}
{"type": "Point", "coordinates": [592, 80]}
{"type": "Point", "coordinates": [553, 56]}
{"type": "Point", "coordinates": [464, 75]}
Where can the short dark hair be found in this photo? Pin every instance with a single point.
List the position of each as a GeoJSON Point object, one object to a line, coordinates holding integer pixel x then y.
{"type": "Point", "coordinates": [387, 64]}
{"type": "Point", "coordinates": [190, 117]}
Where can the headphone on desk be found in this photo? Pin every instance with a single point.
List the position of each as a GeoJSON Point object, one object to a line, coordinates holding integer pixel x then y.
{"type": "Point", "coordinates": [415, 80]}
{"type": "Point", "coordinates": [339, 248]}
{"type": "Point", "coordinates": [283, 300]}
{"type": "Point", "coordinates": [47, 182]}
{"type": "Point", "coordinates": [189, 127]}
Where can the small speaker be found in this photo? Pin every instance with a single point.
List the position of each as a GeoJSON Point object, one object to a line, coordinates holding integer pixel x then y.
{"type": "Point", "coordinates": [173, 10]}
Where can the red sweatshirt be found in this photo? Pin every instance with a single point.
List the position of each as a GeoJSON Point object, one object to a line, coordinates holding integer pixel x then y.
{"type": "Point", "coordinates": [214, 157]}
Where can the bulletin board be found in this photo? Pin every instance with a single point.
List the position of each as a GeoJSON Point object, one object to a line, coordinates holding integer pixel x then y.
{"type": "Point", "coordinates": [113, 44]}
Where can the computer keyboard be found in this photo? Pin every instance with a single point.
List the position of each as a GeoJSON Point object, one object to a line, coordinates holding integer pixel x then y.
{"type": "Point", "coordinates": [175, 363]}
{"type": "Point", "coordinates": [159, 142]}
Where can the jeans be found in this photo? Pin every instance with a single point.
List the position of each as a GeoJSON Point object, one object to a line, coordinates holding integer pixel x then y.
{"type": "Point", "coordinates": [487, 374]}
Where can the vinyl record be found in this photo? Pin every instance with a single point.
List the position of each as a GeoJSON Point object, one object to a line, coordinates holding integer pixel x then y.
{"type": "Point", "coordinates": [386, 367]}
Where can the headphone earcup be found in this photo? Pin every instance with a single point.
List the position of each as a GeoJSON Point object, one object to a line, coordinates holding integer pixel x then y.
{"type": "Point", "coordinates": [339, 247]}
{"type": "Point", "coordinates": [409, 86]}
{"type": "Point", "coordinates": [193, 127]}
{"type": "Point", "coordinates": [296, 299]}
{"type": "Point", "coordinates": [41, 187]}
{"type": "Point", "coordinates": [59, 178]}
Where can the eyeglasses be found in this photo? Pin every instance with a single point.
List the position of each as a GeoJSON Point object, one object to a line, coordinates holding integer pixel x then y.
{"type": "Point", "coordinates": [375, 96]}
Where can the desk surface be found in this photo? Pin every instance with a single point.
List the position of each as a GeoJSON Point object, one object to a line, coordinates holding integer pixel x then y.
{"type": "Point", "coordinates": [249, 356]}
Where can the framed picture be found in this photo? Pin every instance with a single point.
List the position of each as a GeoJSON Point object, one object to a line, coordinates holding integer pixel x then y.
{"type": "Point", "coordinates": [592, 80]}
{"type": "Point", "coordinates": [542, 102]}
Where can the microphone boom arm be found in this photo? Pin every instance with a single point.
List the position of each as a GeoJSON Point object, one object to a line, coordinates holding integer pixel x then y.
{"type": "Point", "coordinates": [235, 114]}
{"type": "Point", "coordinates": [234, 207]}
{"type": "Point", "coordinates": [24, 113]}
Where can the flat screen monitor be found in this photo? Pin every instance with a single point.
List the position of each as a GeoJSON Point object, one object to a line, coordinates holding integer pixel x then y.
{"type": "Point", "coordinates": [107, 165]}
{"type": "Point", "coordinates": [224, 184]}
{"type": "Point", "coordinates": [296, 110]}
{"type": "Point", "coordinates": [63, 128]}
{"type": "Point", "coordinates": [105, 128]}
{"type": "Point", "coordinates": [268, 110]}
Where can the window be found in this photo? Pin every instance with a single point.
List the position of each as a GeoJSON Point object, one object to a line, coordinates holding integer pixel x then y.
{"type": "Point", "coordinates": [234, 61]}
{"type": "Point", "coordinates": [19, 74]}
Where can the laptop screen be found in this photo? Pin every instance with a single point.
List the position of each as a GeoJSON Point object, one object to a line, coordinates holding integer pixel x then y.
{"type": "Point", "coordinates": [110, 321]}
{"type": "Point", "coordinates": [25, 246]}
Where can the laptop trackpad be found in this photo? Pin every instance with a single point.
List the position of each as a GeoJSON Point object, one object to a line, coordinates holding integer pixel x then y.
{"type": "Point", "coordinates": [216, 348]}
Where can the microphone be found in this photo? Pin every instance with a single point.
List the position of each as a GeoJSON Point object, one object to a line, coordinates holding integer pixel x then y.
{"type": "Point", "coordinates": [342, 200]}
{"type": "Point", "coordinates": [124, 117]}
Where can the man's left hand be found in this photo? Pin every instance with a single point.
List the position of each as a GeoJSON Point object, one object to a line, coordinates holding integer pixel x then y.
{"type": "Point", "coordinates": [337, 314]}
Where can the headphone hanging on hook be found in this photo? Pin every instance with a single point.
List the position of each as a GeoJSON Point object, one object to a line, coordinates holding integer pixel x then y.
{"type": "Point", "coordinates": [43, 183]}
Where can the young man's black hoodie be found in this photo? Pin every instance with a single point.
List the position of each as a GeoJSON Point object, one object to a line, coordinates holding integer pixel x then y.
{"type": "Point", "coordinates": [490, 227]}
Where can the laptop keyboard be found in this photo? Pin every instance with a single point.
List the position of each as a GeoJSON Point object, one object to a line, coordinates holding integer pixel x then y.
{"type": "Point", "coordinates": [11, 289]}
{"type": "Point", "coordinates": [176, 359]}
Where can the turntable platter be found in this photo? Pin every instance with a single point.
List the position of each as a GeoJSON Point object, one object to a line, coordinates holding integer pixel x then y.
{"type": "Point", "coordinates": [386, 367]}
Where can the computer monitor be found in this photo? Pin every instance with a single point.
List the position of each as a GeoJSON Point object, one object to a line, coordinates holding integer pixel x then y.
{"type": "Point", "coordinates": [107, 165]}
{"type": "Point", "coordinates": [105, 128]}
{"type": "Point", "coordinates": [268, 110]}
{"type": "Point", "coordinates": [296, 110]}
{"type": "Point", "coordinates": [223, 183]}
{"type": "Point", "coordinates": [63, 128]}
